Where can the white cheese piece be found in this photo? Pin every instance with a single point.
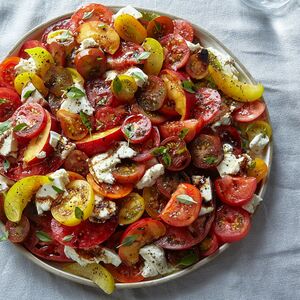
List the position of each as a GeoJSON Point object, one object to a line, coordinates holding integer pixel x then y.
{"type": "Point", "coordinates": [61, 144]}
{"type": "Point", "coordinates": [41, 155]}
{"type": "Point", "coordinates": [43, 205]}
{"type": "Point", "coordinates": [77, 105]}
{"type": "Point", "coordinates": [88, 43]}
{"type": "Point", "coordinates": [54, 138]}
{"type": "Point", "coordinates": [103, 255]}
{"type": "Point", "coordinates": [206, 191]}
{"type": "Point", "coordinates": [151, 176]}
{"type": "Point", "coordinates": [8, 144]}
{"type": "Point", "coordinates": [103, 210]}
{"type": "Point", "coordinates": [230, 165]}
{"type": "Point", "coordinates": [128, 10]}
{"type": "Point", "coordinates": [251, 206]}
{"type": "Point", "coordinates": [206, 210]}
{"type": "Point", "coordinates": [110, 75]}
{"type": "Point", "coordinates": [258, 143]}
{"type": "Point", "coordinates": [124, 151]}
{"type": "Point", "coordinates": [139, 76]}
{"type": "Point", "coordinates": [35, 96]}
{"type": "Point", "coordinates": [194, 47]}
{"type": "Point", "coordinates": [26, 65]}
{"type": "Point", "coordinates": [5, 183]}
{"type": "Point", "coordinates": [64, 36]}
{"type": "Point", "coordinates": [155, 261]}
{"type": "Point", "coordinates": [227, 148]}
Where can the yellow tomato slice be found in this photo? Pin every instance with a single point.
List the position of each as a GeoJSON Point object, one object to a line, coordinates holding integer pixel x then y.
{"type": "Point", "coordinates": [132, 208]}
{"type": "Point", "coordinates": [20, 194]}
{"type": "Point", "coordinates": [155, 61]}
{"type": "Point", "coordinates": [259, 169]}
{"type": "Point", "coordinates": [130, 29]}
{"type": "Point", "coordinates": [42, 58]}
{"type": "Point", "coordinates": [77, 78]}
{"type": "Point", "coordinates": [258, 127]}
{"type": "Point", "coordinates": [95, 272]}
{"type": "Point", "coordinates": [75, 205]}
{"type": "Point", "coordinates": [22, 80]}
{"type": "Point", "coordinates": [124, 87]}
{"type": "Point", "coordinates": [240, 91]}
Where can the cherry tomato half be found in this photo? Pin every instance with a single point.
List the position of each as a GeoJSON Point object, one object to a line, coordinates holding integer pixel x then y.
{"type": "Point", "coordinates": [184, 28]}
{"type": "Point", "coordinates": [61, 24]}
{"type": "Point", "coordinates": [209, 245]}
{"type": "Point", "coordinates": [197, 65]}
{"type": "Point", "coordinates": [249, 112]}
{"type": "Point", "coordinates": [18, 232]}
{"type": "Point", "coordinates": [259, 169]}
{"type": "Point", "coordinates": [159, 27]}
{"type": "Point", "coordinates": [76, 162]}
{"type": "Point", "coordinates": [7, 71]}
{"type": "Point", "coordinates": [126, 274]}
{"type": "Point", "coordinates": [9, 102]}
{"type": "Point", "coordinates": [27, 45]}
{"type": "Point", "coordinates": [129, 172]}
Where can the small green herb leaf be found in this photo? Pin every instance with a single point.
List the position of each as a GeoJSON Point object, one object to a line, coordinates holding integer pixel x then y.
{"type": "Point", "coordinates": [117, 85]}
{"type": "Point", "coordinates": [158, 27]}
{"type": "Point", "coordinates": [101, 25]}
{"type": "Point", "coordinates": [28, 94]}
{"type": "Point", "coordinates": [43, 236]}
{"type": "Point", "coordinates": [6, 165]}
{"type": "Point", "coordinates": [148, 16]}
{"type": "Point", "coordinates": [75, 93]}
{"type": "Point", "coordinates": [2, 100]}
{"type": "Point", "coordinates": [78, 213]}
{"type": "Point", "coordinates": [142, 56]}
{"type": "Point", "coordinates": [183, 132]}
{"type": "Point", "coordinates": [252, 164]}
{"type": "Point", "coordinates": [185, 199]}
{"type": "Point", "coordinates": [167, 159]}
{"type": "Point", "coordinates": [20, 127]}
{"type": "Point", "coordinates": [4, 126]}
{"type": "Point", "coordinates": [86, 121]}
{"type": "Point", "coordinates": [189, 259]}
{"type": "Point", "coordinates": [129, 130]}
{"type": "Point", "coordinates": [188, 86]}
{"type": "Point", "coordinates": [102, 101]}
{"type": "Point", "coordinates": [65, 36]}
{"type": "Point", "coordinates": [99, 58]}
{"type": "Point", "coordinates": [129, 240]}
{"type": "Point", "coordinates": [57, 189]}
{"type": "Point", "coordinates": [159, 150]}
{"type": "Point", "coordinates": [68, 238]}
{"type": "Point", "coordinates": [210, 159]}
{"type": "Point", "coordinates": [87, 15]}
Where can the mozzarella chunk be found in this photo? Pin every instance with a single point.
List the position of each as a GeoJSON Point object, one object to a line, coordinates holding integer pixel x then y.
{"type": "Point", "coordinates": [5, 183]}
{"type": "Point", "coordinates": [139, 76]}
{"type": "Point", "coordinates": [194, 47]}
{"type": "Point", "coordinates": [124, 151]}
{"type": "Point", "coordinates": [251, 206]}
{"type": "Point", "coordinates": [230, 165]}
{"type": "Point", "coordinates": [258, 143]}
{"type": "Point", "coordinates": [83, 257]}
{"type": "Point", "coordinates": [103, 210]}
{"type": "Point", "coordinates": [26, 65]}
{"type": "Point", "coordinates": [41, 155]}
{"type": "Point", "coordinates": [54, 138]}
{"type": "Point", "coordinates": [128, 10]}
{"type": "Point", "coordinates": [88, 43]}
{"type": "Point", "coordinates": [77, 105]}
{"type": "Point", "coordinates": [155, 261]}
{"type": "Point", "coordinates": [35, 95]}
{"type": "Point", "coordinates": [151, 176]}
{"type": "Point", "coordinates": [110, 75]}
{"type": "Point", "coordinates": [8, 144]}
{"type": "Point", "coordinates": [65, 37]}
{"type": "Point", "coordinates": [206, 210]}
{"type": "Point", "coordinates": [204, 185]}
{"type": "Point", "coordinates": [43, 205]}
{"type": "Point", "coordinates": [61, 144]}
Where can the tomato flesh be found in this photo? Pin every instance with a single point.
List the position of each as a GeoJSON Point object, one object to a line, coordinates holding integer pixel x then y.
{"type": "Point", "coordinates": [249, 112]}
{"type": "Point", "coordinates": [184, 28]}
{"type": "Point", "coordinates": [230, 135]}
{"type": "Point", "coordinates": [9, 102]}
{"type": "Point", "coordinates": [209, 245]}
{"type": "Point", "coordinates": [8, 72]}
{"type": "Point", "coordinates": [126, 274]}
{"type": "Point", "coordinates": [129, 172]}
{"type": "Point", "coordinates": [18, 232]}
{"type": "Point", "coordinates": [159, 27]}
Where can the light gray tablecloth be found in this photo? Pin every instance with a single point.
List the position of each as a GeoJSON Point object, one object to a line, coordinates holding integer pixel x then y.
{"type": "Point", "coordinates": [266, 265]}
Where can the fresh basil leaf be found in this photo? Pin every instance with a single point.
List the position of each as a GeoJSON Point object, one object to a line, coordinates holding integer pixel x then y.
{"type": "Point", "coordinates": [28, 94]}
{"type": "Point", "coordinates": [188, 86]}
{"type": "Point", "coordinates": [185, 199]}
{"type": "Point", "coordinates": [6, 165]}
{"type": "Point", "coordinates": [142, 56]}
{"type": "Point", "coordinates": [87, 14]}
{"type": "Point", "coordinates": [101, 26]}
{"type": "Point", "coordinates": [43, 236]}
{"type": "Point", "coordinates": [2, 100]}
{"type": "Point", "coordinates": [4, 126]}
{"type": "Point", "coordinates": [129, 130]}
{"type": "Point", "coordinates": [51, 179]}
{"type": "Point", "coordinates": [20, 127]}
{"type": "Point", "coordinates": [183, 132]}
{"type": "Point", "coordinates": [167, 159]}
{"type": "Point", "coordinates": [210, 159]}
{"type": "Point", "coordinates": [78, 213]}
{"type": "Point", "coordinates": [75, 93]}
{"type": "Point", "coordinates": [65, 36]}
{"type": "Point", "coordinates": [188, 260]}
{"type": "Point", "coordinates": [129, 240]}
{"type": "Point", "coordinates": [86, 121]}
{"type": "Point", "coordinates": [57, 189]}
{"type": "Point", "coordinates": [159, 150]}
{"type": "Point", "coordinates": [117, 85]}
{"type": "Point", "coordinates": [68, 238]}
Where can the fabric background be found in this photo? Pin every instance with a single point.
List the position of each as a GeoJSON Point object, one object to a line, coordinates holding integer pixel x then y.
{"type": "Point", "coordinates": [266, 265]}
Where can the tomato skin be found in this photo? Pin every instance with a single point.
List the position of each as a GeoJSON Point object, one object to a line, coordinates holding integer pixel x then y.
{"type": "Point", "coordinates": [10, 102]}
{"type": "Point", "coordinates": [27, 45]}
{"type": "Point", "coordinates": [7, 71]}
{"type": "Point", "coordinates": [155, 117]}
{"type": "Point", "coordinates": [235, 191]}
{"type": "Point", "coordinates": [126, 274]}
{"type": "Point", "coordinates": [230, 135]}
{"type": "Point", "coordinates": [129, 172]}
{"type": "Point", "coordinates": [168, 108]}
{"type": "Point", "coordinates": [197, 65]}
{"type": "Point", "coordinates": [259, 171]}
{"type": "Point", "coordinates": [58, 53]}
{"type": "Point", "coordinates": [231, 224]}
{"type": "Point", "coordinates": [61, 24]}
{"type": "Point", "coordinates": [184, 28]}
{"type": "Point", "coordinates": [249, 112]}
{"type": "Point", "coordinates": [159, 27]}
{"type": "Point", "coordinates": [209, 245]}
{"type": "Point", "coordinates": [18, 232]}
{"type": "Point", "coordinates": [181, 214]}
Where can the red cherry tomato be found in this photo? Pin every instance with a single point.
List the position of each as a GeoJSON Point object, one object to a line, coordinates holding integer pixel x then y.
{"type": "Point", "coordinates": [61, 24]}
{"type": "Point", "coordinates": [136, 128]}
{"type": "Point", "coordinates": [209, 245]}
{"type": "Point", "coordinates": [9, 102]}
{"type": "Point", "coordinates": [231, 224]}
{"type": "Point", "coordinates": [33, 118]}
{"type": "Point", "coordinates": [229, 135]}
{"type": "Point", "coordinates": [18, 232]}
{"type": "Point", "coordinates": [8, 72]}
{"type": "Point", "coordinates": [184, 28]}
{"type": "Point", "coordinates": [85, 235]}
{"type": "Point", "coordinates": [197, 65]}
{"type": "Point", "coordinates": [28, 45]}
{"type": "Point", "coordinates": [235, 191]}
{"type": "Point", "coordinates": [155, 117]}
{"type": "Point", "coordinates": [159, 27]}
{"type": "Point", "coordinates": [129, 172]}
{"type": "Point", "coordinates": [76, 162]}
{"type": "Point", "coordinates": [177, 51]}
{"type": "Point", "coordinates": [183, 207]}
{"type": "Point", "coordinates": [207, 105]}
{"type": "Point", "coordinates": [249, 112]}
{"type": "Point", "coordinates": [126, 274]}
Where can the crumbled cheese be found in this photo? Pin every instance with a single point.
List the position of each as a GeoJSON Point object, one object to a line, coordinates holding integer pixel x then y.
{"type": "Point", "coordinates": [151, 176]}
{"type": "Point", "coordinates": [124, 151]}
{"type": "Point", "coordinates": [41, 155]}
{"type": "Point", "coordinates": [88, 43]}
{"type": "Point", "coordinates": [61, 144]}
{"type": "Point", "coordinates": [97, 255]}
{"type": "Point", "coordinates": [35, 96]}
{"type": "Point", "coordinates": [204, 185]}
{"type": "Point", "coordinates": [224, 120]}
{"type": "Point", "coordinates": [193, 47]}
{"type": "Point", "coordinates": [8, 144]}
{"type": "Point", "coordinates": [139, 76]}
{"type": "Point", "coordinates": [103, 210]}
{"type": "Point", "coordinates": [128, 10]}
{"type": "Point", "coordinates": [54, 138]}
{"type": "Point", "coordinates": [43, 205]}
{"type": "Point", "coordinates": [5, 183]}
{"type": "Point", "coordinates": [258, 143]}
{"type": "Point", "coordinates": [206, 210]}
{"type": "Point", "coordinates": [227, 148]}
{"type": "Point", "coordinates": [251, 206]}
{"type": "Point", "coordinates": [110, 75]}
{"type": "Point", "coordinates": [26, 65]}
{"type": "Point", "coordinates": [63, 36]}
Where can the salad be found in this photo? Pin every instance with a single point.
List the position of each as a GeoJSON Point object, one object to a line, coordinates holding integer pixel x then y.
{"type": "Point", "coordinates": [127, 150]}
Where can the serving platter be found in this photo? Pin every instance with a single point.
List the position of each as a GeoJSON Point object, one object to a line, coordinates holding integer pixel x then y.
{"type": "Point", "coordinates": [207, 40]}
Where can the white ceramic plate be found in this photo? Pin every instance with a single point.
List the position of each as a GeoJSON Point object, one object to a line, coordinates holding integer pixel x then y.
{"type": "Point", "coordinates": [207, 40]}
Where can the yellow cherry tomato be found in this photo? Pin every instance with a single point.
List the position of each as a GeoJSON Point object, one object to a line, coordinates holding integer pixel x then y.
{"type": "Point", "coordinates": [240, 91]}
{"type": "Point", "coordinates": [154, 62]}
{"type": "Point", "coordinates": [258, 127]}
{"type": "Point", "coordinates": [95, 272]}
{"type": "Point", "coordinates": [124, 87]}
{"type": "Point", "coordinates": [132, 208]}
{"type": "Point", "coordinates": [75, 205]}
{"type": "Point", "coordinates": [103, 34]}
{"type": "Point", "coordinates": [42, 58]}
{"type": "Point", "coordinates": [77, 78]}
{"type": "Point", "coordinates": [130, 29]}
{"type": "Point", "coordinates": [24, 78]}
{"type": "Point", "coordinates": [258, 169]}
{"type": "Point", "coordinates": [20, 194]}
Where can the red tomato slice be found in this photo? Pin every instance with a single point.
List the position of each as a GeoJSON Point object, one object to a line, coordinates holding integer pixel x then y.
{"type": "Point", "coordinates": [61, 24]}
{"type": "Point", "coordinates": [136, 128]}
{"type": "Point", "coordinates": [125, 57]}
{"type": "Point", "coordinates": [168, 108]}
{"type": "Point", "coordinates": [184, 206]}
{"type": "Point", "coordinates": [126, 274]}
{"type": "Point", "coordinates": [28, 45]}
{"type": "Point", "coordinates": [58, 53]}
{"type": "Point", "coordinates": [235, 191]}
{"type": "Point", "coordinates": [177, 51]}
{"type": "Point", "coordinates": [8, 72]}
{"type": "Point", "coordinates": [249, 112]}
{"type": "Point", "coordinates": [3, 218]}
{"type": "Point", "coordinates": [207, 105]}
{"type": "Point", "coordinates": [76, 162]}
{"type": "Point", "coordinates": [155, 117]}
{"type": "Point", "coordinates": [230, 135]}
{"type": "Point", "coordinates": [34, 119]}
{"type": "Point", "coordinates": [18, 232]}
{"type": "Point", "coordinates": [9, 102]}
{"type": "Point", "coordinates": [129, 172]}
{"type": "Point", "coordinates": [209, 245]}
{"type": "Point", "coordinates": [231, 224]}
{"type": "Point", "coordinates": [159, 27]}
{"type": "Point", "coordinates": [85, 235]}
{"type": "Point", "coordinates": [184, 28]}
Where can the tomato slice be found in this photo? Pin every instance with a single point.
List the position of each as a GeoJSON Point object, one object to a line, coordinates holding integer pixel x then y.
{"type": "Point", "coordinates": [209, 245]}
{"type": "Point", "coordinates": [207, 105]}
{"type": "Point", "coordinates": [197, 65]}
{"type": "Point", "coordinates": [18, 232]}
{"type": "Point", "coordinates": [9, 102]}
{"type": "Point", "coordinates": [184, 28]}
{"type": "Point", "coordinates": [155, 117]}
{"type": "Point", "coordinates": [229, 135]}
{"type": "Point", "coordinates": [168, 108]}
{"type": "Point", "coordinates": [31, 118]}
{"type": "Point", "coordinates": [61, 24]}
{"type": "Point", "coordinates": [152, 95]}
{"type": "Point", "coordinates": [136, 128]}
{"type": "Point", "coordinates": [27, 45]}
{"type": "Point", "coordinates": [159, 27]}
{"type": "Point", "coordinates": [124, 87]}
{"type": "Point", "coordinates": [177, 51]}
{"type": "Point", "coordinates": [235, 191]}
{"type": "Point", "coordinates": [76, 162]}
{"type": "Point", "coordinates": [259, 170]}
{"type": "Point", "coordinates": [129, 172]}
{"type": "Point", "coordinates": [58, 53]}
{"type": "Point", "coordinates": [206, 151]}
{"type": "Point", "coordinates": [7, 71]}
{"type": "Point", "coordinates": [249, 112]}
{"type": "Point", "coordinates": [126, 274]}
{"type": "Point", "coordinates": [231, 224]}
{"type": "Point", "coordinates": [113, 191]}
{"type": "Point", "coordinates": [183, 207]}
